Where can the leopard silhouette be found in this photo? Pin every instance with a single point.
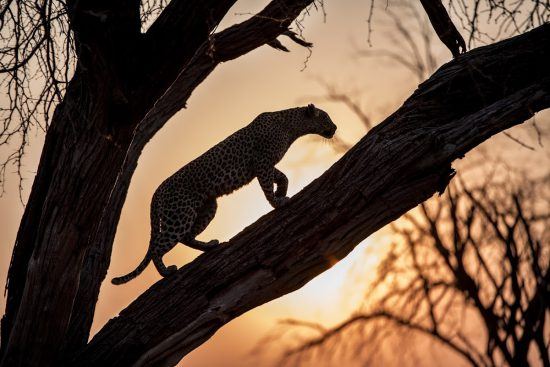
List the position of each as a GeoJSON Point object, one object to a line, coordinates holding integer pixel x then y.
{"type": "Point", "coordinates": [185, 203]}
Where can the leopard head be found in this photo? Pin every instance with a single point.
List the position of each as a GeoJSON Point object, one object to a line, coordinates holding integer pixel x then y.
{"type": "Point", "coordinates": [317, 121]}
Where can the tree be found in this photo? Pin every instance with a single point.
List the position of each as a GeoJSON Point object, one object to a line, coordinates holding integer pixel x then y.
{"type": "Point", "coordinates": [480, 253]}
{"type": "Point", "coordinates": [111, 108]}
{"type": "Point", "coordinates": [126, 84]}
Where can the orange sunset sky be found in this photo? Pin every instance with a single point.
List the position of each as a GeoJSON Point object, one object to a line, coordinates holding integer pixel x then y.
{"type": "Point", "coordinates": [236, 92]}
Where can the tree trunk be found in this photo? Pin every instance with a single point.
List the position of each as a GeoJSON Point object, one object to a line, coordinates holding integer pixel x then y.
{"type": "Point", "coordinates": [397, 165]}
{"type": "Point", "coordinates": [109, 113]}
{"type": "Point", "coordinates": [65, 216]}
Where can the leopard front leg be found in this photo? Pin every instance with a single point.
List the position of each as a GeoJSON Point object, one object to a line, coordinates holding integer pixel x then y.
{"type": "Point", "coordinates": [282, 183]}
{"type": "Point", "coordinates": [266, 178]}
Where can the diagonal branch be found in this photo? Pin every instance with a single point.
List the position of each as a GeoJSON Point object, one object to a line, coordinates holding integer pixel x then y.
{"type": "Point", "coordinates": [397, 165]}
{"type": "Point", "coordinates": [177, 33]}
{"type": "Point", "coordinates": [226, 45]}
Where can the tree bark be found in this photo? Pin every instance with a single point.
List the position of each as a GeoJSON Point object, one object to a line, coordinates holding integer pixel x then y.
{"type": "Point", "coordinates": [64, 242]}
{"type": "Point", "coordinates": [397, 165]}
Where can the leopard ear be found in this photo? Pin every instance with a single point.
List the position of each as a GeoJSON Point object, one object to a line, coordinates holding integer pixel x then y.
{"type": "Point", "coordinates": [312, 111]}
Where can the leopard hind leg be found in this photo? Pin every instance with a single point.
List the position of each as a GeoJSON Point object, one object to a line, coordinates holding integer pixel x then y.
{"type": "Point", "coordinates": [194, 215]}
{"type": "Point", "coordinates": [204, 216]}
{"type": "Point", "coordinates": [160, 245]}
{"type": "Point", "coordinates": [163, 237]}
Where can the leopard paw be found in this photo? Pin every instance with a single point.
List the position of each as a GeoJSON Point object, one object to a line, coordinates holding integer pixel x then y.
{"type": "Point", "coordinates": [211, 245]}
{"type": "Point", "coordinates": [169, 271]}
{"type": "Point", "coordinates": [280, 201]}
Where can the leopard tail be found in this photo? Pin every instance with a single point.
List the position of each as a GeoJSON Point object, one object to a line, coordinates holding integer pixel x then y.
{"type": "Point", "coordinates": [155, 227]}
{"type": "Point", "coordinates": [133, 274]}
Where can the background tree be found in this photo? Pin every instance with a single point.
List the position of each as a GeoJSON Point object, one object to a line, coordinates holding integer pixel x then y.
{"type": "Point", "coordinates": [123, 77]}
{"type": "Point", "coordinates": [474, 256]}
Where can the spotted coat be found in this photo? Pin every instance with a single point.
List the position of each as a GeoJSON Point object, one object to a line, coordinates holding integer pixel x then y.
{"type": "Point", "coordinates": [185, 203]}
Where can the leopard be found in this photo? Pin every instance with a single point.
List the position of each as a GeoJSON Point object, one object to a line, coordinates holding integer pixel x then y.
{"type": "Point", "coordinates": [186, 202]}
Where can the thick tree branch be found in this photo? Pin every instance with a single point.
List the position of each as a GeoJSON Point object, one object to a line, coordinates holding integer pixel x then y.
{"type": "Point", "coordinates": [184, 16]}
{"type": "Point", "coordinates": [226, 45]}
{"type": "Point", "coordinates": [177, 43]}
{"type": "Point", "coordinates": [177, 33]}
{"type": "Point", "coordinates": [397, 165]}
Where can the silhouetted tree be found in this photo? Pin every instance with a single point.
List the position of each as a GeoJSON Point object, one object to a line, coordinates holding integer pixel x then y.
{"type": "Point", "coordinates": [113, 72]}
{"type": "Point", "coordinates": [474, 257]}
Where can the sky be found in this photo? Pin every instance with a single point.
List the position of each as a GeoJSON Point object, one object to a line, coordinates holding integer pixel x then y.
{"type": "Point", "coordinates": [230, 98]}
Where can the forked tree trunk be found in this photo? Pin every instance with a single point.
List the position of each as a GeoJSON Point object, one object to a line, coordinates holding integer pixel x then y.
{"type": "Point", "coordinates": [108, 115]}
{"type": "Point", "coordinates": [397, 165]}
